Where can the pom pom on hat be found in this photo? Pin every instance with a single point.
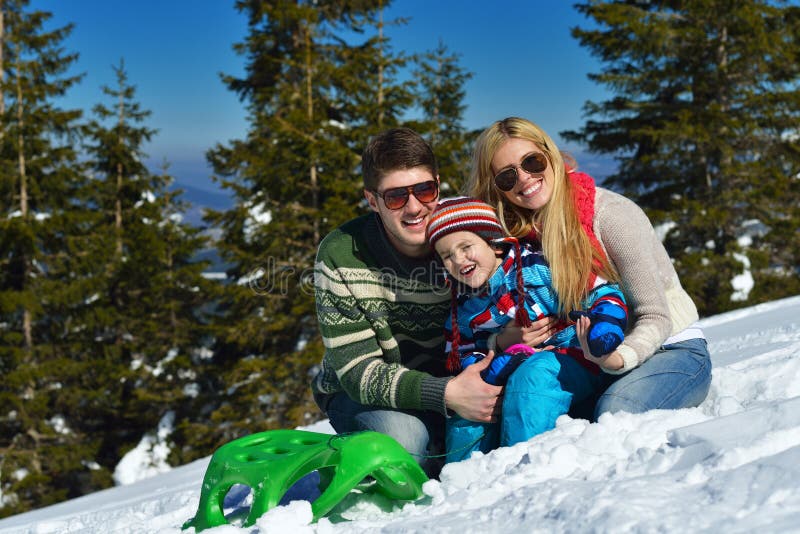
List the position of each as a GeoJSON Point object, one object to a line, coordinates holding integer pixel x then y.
{"type": "Point", "coordinates": [463, 214]}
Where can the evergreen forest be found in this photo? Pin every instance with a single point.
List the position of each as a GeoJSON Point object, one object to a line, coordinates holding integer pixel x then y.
{"type": "Point", "coordinates": [108, 326]}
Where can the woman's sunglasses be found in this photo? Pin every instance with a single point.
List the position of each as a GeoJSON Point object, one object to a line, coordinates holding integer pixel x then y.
{"type": "Point", "coordinates": [532, 163]}
{"type": "Point", "coordinates": [397, 197]}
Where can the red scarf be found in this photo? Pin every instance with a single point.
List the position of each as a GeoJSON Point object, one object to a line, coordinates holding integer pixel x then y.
{"type": "Point", "coordinates": [583, 193]}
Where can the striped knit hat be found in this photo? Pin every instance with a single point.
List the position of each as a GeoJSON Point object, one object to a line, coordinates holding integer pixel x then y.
{"type": "Point", "coordinates": [465, 214]}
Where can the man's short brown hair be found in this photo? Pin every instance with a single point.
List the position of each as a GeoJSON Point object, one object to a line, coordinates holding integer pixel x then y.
{"type": "Point", "coordinates": [395, 149]}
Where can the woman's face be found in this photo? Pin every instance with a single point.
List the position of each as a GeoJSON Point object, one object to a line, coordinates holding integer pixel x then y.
{"type": "Point", "coordinates": [532, 190]}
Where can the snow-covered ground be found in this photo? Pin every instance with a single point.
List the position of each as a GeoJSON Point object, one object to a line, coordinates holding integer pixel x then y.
{"type": "Point", "coordinates": [730, 465]}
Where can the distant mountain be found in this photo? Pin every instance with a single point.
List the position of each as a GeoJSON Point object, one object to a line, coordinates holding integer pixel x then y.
{"type": "Point", "coordinates": [202, 199]}
{"type": "Point", "coordinates": [598, 166]}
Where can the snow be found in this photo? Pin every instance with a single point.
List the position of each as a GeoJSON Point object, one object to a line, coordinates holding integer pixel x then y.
{"type": "Point", "coordinates": [149, 457]}
{"type": "Point", "coordinates": [251, 278]}
{"type": "Point", "coordinates": [731, 464]}
{"type": "Point", "coordinates": [59, 424]}
{"type": "Point", "coordinates": [215, 276]}
{"type": "Point", "coordinates": [258, 215]}
{"type": "Point", "coordinates": [662, 230]}
{"type": "Point", "coordinates": [742, 283]}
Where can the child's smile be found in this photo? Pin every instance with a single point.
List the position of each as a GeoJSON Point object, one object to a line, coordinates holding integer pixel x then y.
{"type": "Point", "coordinates": [468, 258]}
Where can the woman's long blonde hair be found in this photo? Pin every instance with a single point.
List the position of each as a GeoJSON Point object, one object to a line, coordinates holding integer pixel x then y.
{"type": "Point", "coordinates": [566, 245]}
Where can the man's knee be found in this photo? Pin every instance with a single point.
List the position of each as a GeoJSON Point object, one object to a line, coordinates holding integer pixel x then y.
{"type": "Point", "coordinates": [408, 430]}
{"type": "Point", "coordinates": [411, 433]}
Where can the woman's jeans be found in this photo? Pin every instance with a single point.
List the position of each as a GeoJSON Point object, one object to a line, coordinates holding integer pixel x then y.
{"type": "Point", "coordinates": [548, 385]}
{"type": "Point", "coordinates": [676, 376]}
{"type": "Point", "coordinates": [421, 433]}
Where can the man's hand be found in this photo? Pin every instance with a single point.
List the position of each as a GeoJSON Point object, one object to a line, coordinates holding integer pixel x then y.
{"type": "Point", "coordinates": [472, 398]}
{"type": "Point", "coordinates": [535, 334]}
{"type": "Point", "coordinates": [612, 361]}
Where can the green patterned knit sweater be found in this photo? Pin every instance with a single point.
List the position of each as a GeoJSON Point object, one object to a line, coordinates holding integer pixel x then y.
{"type": "Point", "coordinates": [381, 315]}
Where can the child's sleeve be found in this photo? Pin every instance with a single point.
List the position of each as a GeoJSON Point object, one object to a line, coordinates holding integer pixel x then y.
{"type": "Point", "coordinates": [608, 313]}
{"type": "Point", "coordinates": [607, 299]}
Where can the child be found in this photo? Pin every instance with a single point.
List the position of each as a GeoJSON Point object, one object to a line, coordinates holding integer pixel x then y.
{"type": "Point", "coordinates": [495, 279]}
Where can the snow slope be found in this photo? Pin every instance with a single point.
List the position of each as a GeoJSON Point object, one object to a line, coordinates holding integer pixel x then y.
{"type": "Point", "coordinates": [732, 464]}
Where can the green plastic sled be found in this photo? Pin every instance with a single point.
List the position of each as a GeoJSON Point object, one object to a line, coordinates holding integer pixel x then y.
{"type": "Point", "coordinates": [272, 462]}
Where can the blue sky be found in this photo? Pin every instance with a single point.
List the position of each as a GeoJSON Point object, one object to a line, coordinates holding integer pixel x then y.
{"type": "Point", "coordinates": [523, 59]}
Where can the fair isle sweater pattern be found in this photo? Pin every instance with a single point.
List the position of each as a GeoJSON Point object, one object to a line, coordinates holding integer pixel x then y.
{"type": "Point", "coordinates": [380, 315]}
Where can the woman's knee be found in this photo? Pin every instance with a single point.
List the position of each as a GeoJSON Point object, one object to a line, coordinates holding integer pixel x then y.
{"type": "Point", "coordinates": [678, 377]}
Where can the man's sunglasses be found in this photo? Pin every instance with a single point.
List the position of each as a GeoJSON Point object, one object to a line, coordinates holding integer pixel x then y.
{"type": "Point", "coordinates": [532, 163]}
{"type": "Point", "coordinates": [397, 197]}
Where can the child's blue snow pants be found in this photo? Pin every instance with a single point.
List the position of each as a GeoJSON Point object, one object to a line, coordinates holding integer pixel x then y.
{"type": "Point", "coordinates": [537, 393]}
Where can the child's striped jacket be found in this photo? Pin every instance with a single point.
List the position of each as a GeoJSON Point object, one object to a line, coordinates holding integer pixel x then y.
{"type": "Point", "coordinates": [481, 314]}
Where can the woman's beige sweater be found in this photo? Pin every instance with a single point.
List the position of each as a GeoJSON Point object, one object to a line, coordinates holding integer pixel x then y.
{"type": "Point", "coordinates": [659, 307]}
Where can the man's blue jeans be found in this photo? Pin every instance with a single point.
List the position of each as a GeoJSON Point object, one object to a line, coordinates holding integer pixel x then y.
{"type": "Point", "coordinates": [421, 433]}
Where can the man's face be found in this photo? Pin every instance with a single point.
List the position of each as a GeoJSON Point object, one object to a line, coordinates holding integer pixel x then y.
{"type": "Point", "coordinates": [405, 226]}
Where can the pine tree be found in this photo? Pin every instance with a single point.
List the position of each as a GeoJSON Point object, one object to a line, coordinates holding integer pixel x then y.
{"type": "Point", "coordinates": [145, 317]}
{"type": "Point", "coordinates": [373, 94]}
{"type": "Point", "coordinates": [313, 97]}
{"type": "Point", "coordinates": [704, 123]}
{"type": "Point", "coordinates": [39, 175]}
{"type": "Point", "coordinates": [120, 333]}
{"type": "Point", "coordinates": [440, 95]}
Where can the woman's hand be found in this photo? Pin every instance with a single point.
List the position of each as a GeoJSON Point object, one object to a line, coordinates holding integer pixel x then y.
{"type": "Point", "coordinates": [472, 398]}
{"type": "Point", "coordinates": [612, 361]}
{"type": "Point", "coordinates": [537, 333]}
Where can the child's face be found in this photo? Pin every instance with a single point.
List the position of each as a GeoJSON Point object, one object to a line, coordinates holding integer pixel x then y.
{"type": "Point", "coordinates": [468, 258]}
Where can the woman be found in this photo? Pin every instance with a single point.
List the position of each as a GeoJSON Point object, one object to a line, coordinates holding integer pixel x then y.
{"type": "Point", "coordinates": [587, 231]}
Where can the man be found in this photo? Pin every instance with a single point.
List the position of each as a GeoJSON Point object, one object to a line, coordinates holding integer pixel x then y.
{"type": "Point", "coordinates": [381, 306]}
